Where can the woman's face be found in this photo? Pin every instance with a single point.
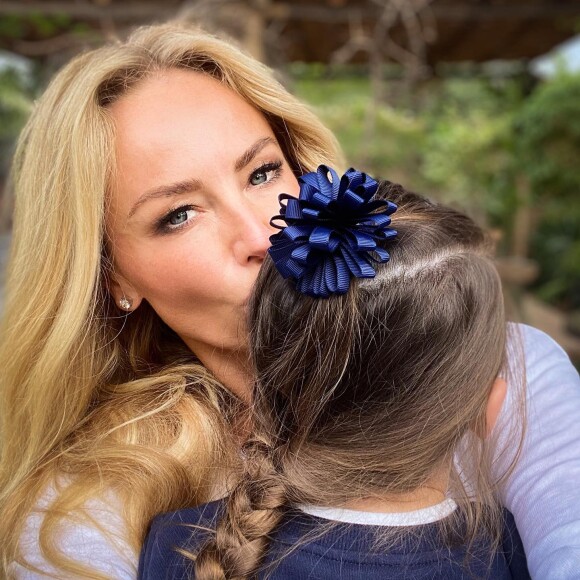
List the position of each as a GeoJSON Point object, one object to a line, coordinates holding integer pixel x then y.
{"type": "Point", "coordinates": [198, 176]}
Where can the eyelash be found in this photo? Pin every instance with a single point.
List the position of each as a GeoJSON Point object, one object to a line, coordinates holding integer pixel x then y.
{"type": "Point", "coordinates": [163, 225]}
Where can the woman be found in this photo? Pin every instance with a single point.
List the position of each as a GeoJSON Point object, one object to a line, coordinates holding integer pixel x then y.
{"type": "Point", "coordinates": [144, 182]}
{"type": "Point", "coordinates": [117, 411]}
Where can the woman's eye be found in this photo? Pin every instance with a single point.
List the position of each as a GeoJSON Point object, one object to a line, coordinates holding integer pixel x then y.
{"type": "Point", "coordinates": [176, 219]}
{"type": "Point", "coordinates": [266, 173]}
{"type": "Point", "coordinates": [258, 177]}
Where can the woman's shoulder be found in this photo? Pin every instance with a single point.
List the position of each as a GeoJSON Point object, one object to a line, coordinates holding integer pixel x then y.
{"type": "Point", "coordinates": [95, 535]}
{"type": "Point", "coordinates": [549, 376]}
{"type": "Point", "coordinates": [535, 342]}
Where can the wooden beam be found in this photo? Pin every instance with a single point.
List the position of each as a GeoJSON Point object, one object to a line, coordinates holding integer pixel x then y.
{"type": "Point", "coordinates": [442, 12]}
{"type": "Point", "coordinates": [335, 14]}
{"type": "Point", "coordinates": [89, 11]}
{"type": "Point", "coordinates": [284, 10]}
{"type": "Point", "coordinates": [505, 12]}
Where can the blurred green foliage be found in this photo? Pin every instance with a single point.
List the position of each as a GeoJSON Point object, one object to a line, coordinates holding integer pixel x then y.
{"type": "Point", "coordinates": [36, 25]}
{"type": "Point", "coordinates": [16, 92]}
{"type": "Point", "coordinates": [547, 128]}
{"type": "Point", "coordinates": [469, 142]}
{"type": "Point", "coordinates": [548, 137]}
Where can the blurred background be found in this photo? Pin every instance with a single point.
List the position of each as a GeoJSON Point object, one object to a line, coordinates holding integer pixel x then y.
{"type": "Point", "coordinates": [473, 102]}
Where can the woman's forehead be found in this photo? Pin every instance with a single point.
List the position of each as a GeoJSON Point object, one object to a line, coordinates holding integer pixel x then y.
{"type": "Point", "coordinates": [193, 98]}
{"type": "Point", "coordinates": [178, 125]}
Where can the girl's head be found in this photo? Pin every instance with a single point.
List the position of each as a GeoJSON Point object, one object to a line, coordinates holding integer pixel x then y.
{"type": "Point", "coordinates": [372, 390]}
{"type": "Point", "coordinates": [367, 395]}
{"type": "Point", "coordinates": [143, 165]}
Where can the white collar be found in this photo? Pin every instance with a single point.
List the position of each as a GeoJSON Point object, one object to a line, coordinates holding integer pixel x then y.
{"type": "Point", "coordinates": [415, 518]}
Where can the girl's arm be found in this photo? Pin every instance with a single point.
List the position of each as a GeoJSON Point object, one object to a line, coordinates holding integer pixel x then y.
{"type": "Point", "coordinates": [543, 491]}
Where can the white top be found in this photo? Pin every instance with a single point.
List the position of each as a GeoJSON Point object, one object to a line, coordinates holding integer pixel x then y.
{"type": "Point", "coordinates": [543, 492]}
{"type": "Point", "coordinates": [420, 517]}
{"type": "Point", "coordinates": [108, 553]}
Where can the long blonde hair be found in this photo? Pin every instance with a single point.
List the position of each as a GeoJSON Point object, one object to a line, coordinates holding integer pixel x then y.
{"type": "Point", "coordinates": [105, 400]}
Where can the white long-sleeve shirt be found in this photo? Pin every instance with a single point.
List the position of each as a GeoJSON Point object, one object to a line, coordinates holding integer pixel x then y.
{"type": "Point", "coordinates": [542, 492]}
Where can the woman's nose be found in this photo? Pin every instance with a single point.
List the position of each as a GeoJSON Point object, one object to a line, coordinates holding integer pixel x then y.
{"type": "Point", "coordinates": [251, 236]}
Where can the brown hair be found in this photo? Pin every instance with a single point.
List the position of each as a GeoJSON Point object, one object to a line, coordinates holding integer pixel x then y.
{"type": "Point", "coordinates": [368, 393]}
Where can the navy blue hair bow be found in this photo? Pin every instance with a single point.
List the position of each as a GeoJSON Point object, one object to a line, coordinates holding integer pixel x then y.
{"type": "Point", "coordinates": [331, 231]}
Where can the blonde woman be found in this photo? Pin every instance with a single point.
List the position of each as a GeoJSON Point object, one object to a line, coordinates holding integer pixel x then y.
{"type": "Point", "coordinates": [144, 183]}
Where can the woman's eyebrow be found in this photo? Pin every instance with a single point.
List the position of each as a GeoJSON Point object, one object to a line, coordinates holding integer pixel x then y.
{"type": "Point", "coordinates": [249, 155]}
{"type": "Point", "coordinates": [177, 188]}
{"type": "Point", "coordinates": [190, 185]}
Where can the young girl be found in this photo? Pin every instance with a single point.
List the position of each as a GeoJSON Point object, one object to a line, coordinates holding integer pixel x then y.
{"type": "Point", "coordinates": [376, 379]}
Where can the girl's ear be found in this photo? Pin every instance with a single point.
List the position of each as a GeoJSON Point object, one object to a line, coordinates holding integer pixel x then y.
{"type": "Point", "coordinates": [494, 403]}
{"type": "Point", "coordinates": [126, 297]}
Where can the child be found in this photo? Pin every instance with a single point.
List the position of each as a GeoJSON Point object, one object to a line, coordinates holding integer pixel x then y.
{"type": "Point", "coordinates": [378, 358]}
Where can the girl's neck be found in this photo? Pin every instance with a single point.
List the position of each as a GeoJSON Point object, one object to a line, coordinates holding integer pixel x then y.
{"type": "Point", "coordinates": [430, 494]}
{"type": "Point", "coordinates": [409, 503]}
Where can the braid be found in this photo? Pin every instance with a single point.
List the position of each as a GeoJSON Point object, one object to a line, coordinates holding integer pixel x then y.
{"type": "Point", "coordinates": [253, 510]}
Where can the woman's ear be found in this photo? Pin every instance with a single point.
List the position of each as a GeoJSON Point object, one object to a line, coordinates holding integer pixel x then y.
{"type": "Point", "coordinates": [126, 297]}
{"type": "Point", "coordinates": [495, 401]}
